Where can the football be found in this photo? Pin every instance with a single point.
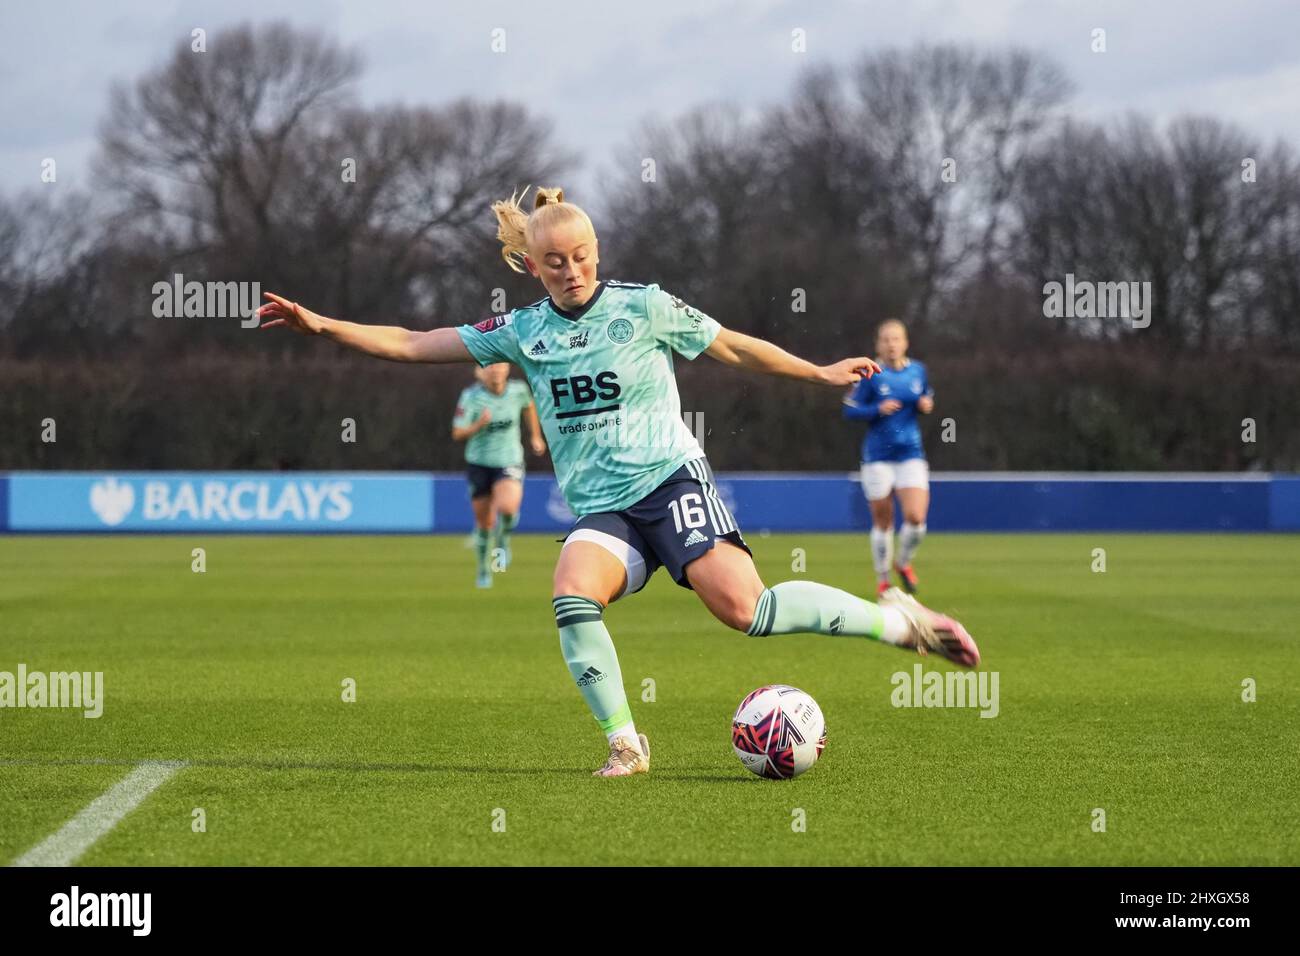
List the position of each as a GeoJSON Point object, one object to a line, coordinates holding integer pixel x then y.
{"type": "Point", "coordinates": [778, 732]}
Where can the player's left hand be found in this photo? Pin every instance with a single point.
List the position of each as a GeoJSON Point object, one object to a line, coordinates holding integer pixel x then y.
{"type": "Point", "coordinates": [849, 371]}
{"type": "Point", "coordinates": [538, 446]}
{"type": "Point", "coordinates": [925, 404]}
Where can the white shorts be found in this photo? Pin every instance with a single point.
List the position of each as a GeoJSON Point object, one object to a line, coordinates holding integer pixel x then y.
{"type": "Point", "coordinates": [880, 478]}
{"type": "Point", "coordinates": [634, 562]}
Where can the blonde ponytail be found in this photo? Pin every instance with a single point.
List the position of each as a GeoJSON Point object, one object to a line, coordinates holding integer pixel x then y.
{"type": "Point", "coordinates": [547, 197]}
{"type": "Point", "coordinates": [512, 230]}
{"type": "Point", "coordinates": [515, 227]}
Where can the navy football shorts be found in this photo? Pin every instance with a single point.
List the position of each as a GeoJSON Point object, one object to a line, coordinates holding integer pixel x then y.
{"type": "Point", "coordinates": [482, 478]}
{"type": "Point", "coordinates": [676, 523]}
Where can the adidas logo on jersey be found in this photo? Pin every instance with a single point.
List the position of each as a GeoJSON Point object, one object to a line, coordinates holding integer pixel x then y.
{"type": "Point", "coordinates": [539, 348]}
{"type": "Point", "coordinates": [694, 538]}
{"type": "Point", "coordinates": [590, 676]}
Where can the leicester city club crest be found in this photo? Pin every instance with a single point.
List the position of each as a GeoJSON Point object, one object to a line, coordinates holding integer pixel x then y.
{"type": "Point", "coordinates": [619, 331]}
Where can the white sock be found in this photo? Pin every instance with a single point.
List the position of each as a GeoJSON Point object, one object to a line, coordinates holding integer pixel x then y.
{"type": "Point", "coordinates": [627, 730]}
{"type": "Point", "coordinates": [882, 550]}
{"type": "Point", "coordinates": [896, 626]}
{"type": "Point", "coordinates": [909, 539]}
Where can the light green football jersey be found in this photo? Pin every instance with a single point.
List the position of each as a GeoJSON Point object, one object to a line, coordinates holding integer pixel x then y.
{"type": "Point", "coordinates": [498, 444]}
{"type": "Point", "coordinates": [603, 381]}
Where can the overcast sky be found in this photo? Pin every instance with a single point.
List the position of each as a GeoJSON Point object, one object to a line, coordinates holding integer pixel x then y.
{"type": "Point", "coordinates": [598, 67]}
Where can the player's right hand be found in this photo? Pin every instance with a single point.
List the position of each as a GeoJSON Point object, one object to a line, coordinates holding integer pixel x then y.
{"type": "Point", "coordinates": [483, 418]}
{"type": "Point", "coordinates": [290, 314]}
{"type": "Point", "coordinates": [849, 371]}
{"type": "Point", "coordinates": [889, 406]}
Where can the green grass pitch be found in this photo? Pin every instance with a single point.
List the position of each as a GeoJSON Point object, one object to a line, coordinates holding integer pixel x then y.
{"type": "Point", "coordinates": [1119, 690]}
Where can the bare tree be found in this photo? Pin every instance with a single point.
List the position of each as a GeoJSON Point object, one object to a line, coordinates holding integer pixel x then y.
{"type": "Point", "coordinates": [687, 201]}
{"type": "Point", "coordinates": [973, 115]}
{"type": "Point", "coordinates": [249, 161]}
{"type": "Point", "coordinates": [1172, 208]}
{"type": "Point", "coordinates": [410, 231]}
{"type": "Point", "coordinates": [51, 249]}
{"type": "Point", "coordinates": [199, 148]}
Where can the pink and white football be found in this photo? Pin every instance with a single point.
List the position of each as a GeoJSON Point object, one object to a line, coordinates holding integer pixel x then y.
{"type": "Point", "coordinates": [778, 732]}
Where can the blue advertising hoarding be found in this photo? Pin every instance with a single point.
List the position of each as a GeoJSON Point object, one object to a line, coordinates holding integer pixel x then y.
{"type": "Point", "coordinates": [214, 501]}
{"type": "Point", "coordinates": [380, 502]}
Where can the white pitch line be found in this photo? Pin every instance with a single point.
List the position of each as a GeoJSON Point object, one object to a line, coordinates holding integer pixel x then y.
{"type": "Point", "coordinates": [100, 815]}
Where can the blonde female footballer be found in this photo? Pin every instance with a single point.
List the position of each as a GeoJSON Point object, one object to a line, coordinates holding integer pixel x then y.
{"type": "Point", "coordinates": [599, 358]}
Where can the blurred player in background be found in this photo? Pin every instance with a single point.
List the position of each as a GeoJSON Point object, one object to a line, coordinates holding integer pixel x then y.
{"type": "Point", "coordinates": [893, 461]}
{"type": "Point", "coordinates": [488, 418]}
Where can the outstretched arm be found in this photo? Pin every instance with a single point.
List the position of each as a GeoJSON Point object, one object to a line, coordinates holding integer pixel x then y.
{"type": "Point", "coordinates": [384, 341]}
{"type": "Point", "coordinates": [745, 351]}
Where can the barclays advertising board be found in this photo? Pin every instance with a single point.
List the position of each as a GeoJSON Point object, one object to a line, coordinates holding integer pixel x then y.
{"type": "Point", "coordinates": [210, 501]}
{"type": "Point", "coordinates": [385, 502]}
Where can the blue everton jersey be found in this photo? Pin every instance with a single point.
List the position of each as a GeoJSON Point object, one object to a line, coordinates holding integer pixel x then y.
{"type": "Point", "coordinates": [895, 437]}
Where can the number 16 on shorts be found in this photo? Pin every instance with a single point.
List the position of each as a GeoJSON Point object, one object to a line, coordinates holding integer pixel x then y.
{"type": "Point", "coordinates": [687, 511]}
